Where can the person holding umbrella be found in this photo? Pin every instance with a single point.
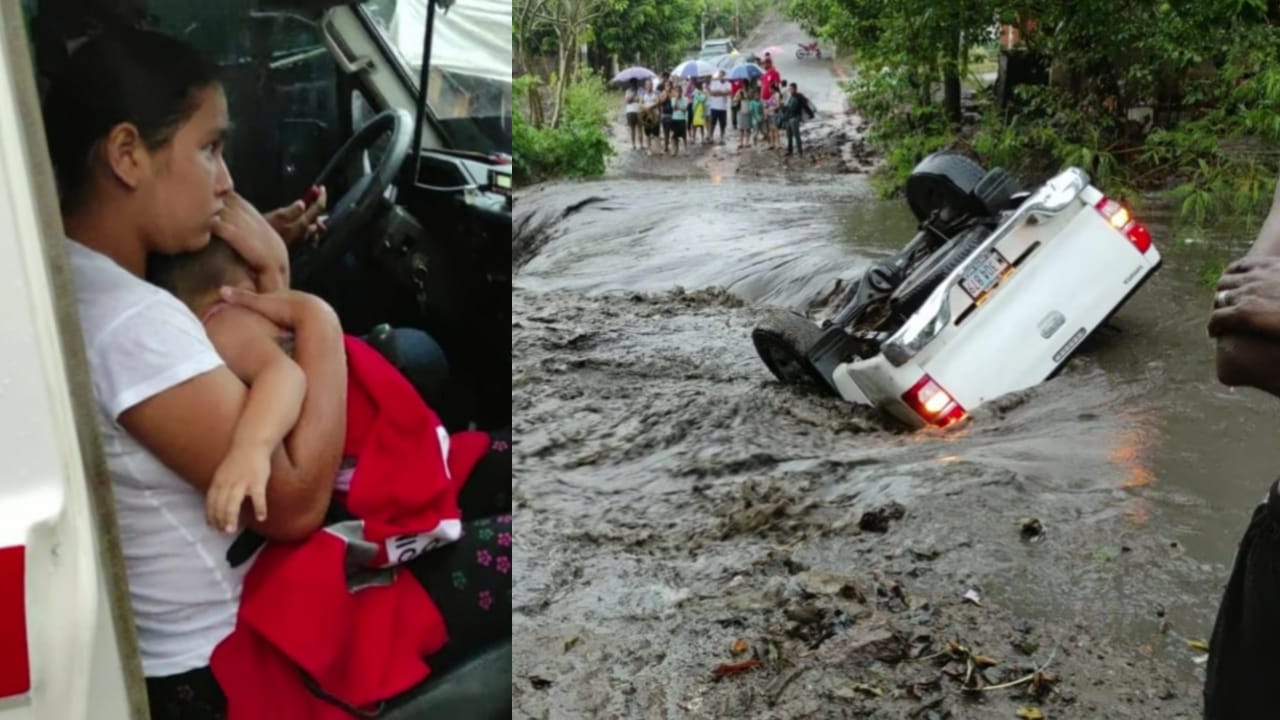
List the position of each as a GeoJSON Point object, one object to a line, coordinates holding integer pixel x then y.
{"type": "Point", "coordinates": [632, 99]}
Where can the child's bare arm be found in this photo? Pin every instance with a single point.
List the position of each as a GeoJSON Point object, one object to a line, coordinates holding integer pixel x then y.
{"type": "Point", "coordinates": [277, 386]}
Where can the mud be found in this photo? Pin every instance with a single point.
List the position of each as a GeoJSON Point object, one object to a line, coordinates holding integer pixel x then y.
{"type": "Point", "coordinates": [679, 503]}
{"type": "Point", "coordinates": [700, 541]}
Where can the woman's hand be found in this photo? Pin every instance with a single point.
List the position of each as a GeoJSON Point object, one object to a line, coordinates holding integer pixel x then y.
{"type": "Point", "coordinates": [256, 241]}
{"type": "Point", "coordinates": [300, 220]}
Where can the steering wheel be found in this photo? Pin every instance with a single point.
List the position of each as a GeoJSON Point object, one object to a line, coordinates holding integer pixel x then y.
{"type": "Point", "coordinates": [360, 203]}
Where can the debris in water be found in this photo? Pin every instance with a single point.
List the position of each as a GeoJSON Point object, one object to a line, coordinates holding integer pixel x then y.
{"type": "Point", "coordinates": [815, 583]}
{"type": "Point", "coordinates": [1032, 529]}
{"type": "Point", "coordinates": [740, 646]}
{"type": "Point", "coordinates": [973, 597]}
{"type": "Point", "coordinates": [877, 520]}
{"type": "Point", "coordinates": [726, 669]}
{"type": "Point", "coordinates": [863, 644]}
{"type": "Point", "coordinates": [539, 683]}
{"type": "Point", "coordinates": [1030, 713]}
{"type": "Point", "coordinates": [1199, 645]}
{"type": "Point", "coordinates": [868, 689]}
{"type": "Point", "coordinates": [984, 661]}
{"type": "Point", "coordinates": [895, 595]}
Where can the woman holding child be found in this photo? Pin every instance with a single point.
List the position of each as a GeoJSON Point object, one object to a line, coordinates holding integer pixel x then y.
{"type": "Point", "coordinates": [135, 123]}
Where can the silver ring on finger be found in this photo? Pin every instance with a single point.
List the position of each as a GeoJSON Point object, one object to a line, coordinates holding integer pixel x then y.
{"type": "Point", "coordinates": [1220, 300]}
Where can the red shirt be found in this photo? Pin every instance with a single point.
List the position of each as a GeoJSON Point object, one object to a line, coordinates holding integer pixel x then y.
{"type": "Point", "coordinates": [767, 81]}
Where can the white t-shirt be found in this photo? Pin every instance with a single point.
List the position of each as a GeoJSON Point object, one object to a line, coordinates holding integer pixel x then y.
{"type": "Point", "coordinates": [141, 341]}
{"type": "Point", "coordinates": [631, 98]}
{"type": "Point", "coordinates": [718, 102]}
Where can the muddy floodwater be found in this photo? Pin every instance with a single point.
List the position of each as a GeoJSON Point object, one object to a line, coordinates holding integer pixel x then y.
{"type": "Point", "coordinates": [699, 541]}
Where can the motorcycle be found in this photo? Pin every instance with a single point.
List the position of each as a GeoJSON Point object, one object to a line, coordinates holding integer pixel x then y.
{"type": "Point", "coordinates": [806, 49]}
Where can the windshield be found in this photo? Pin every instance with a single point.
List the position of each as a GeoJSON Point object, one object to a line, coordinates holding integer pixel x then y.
{"type": "Point", "coordinates": [469, 85]}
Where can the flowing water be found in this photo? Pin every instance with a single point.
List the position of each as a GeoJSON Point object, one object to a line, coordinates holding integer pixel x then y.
{"type": "Point", "coordinates": [665, 472]}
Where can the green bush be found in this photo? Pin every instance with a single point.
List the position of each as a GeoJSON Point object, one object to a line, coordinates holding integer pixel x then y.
{"type": "Point", "coordinates": [1207, 72]}
{"type": "Point", "coordinates": [577, 147]}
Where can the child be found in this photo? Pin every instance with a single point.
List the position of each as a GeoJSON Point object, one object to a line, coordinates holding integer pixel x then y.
{"type": "Point", "coordinates": [260, 354]}
{"type": "Point", "coordinates": [254, 349]}
{"type": "Point", "coordinates": [742, 120]}
{"type": "Point", "coordinates": [756, 107]}
{"type": "Point", "coordinates": [679, 120]}
{"type": "Point", "coordinates": [773, 116]}
{"type": "Point", "coordinates": [699, 115]}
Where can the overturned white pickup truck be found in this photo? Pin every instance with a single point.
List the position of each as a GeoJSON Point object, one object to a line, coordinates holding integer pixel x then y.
{"type": "Point", "coordinates": [993, 294]}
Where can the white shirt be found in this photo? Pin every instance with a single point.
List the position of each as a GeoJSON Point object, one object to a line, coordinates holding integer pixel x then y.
{"type": "Point", "coordinates": [718, 102]}
{"type": "Point", "coordinates": [630, 99]}
{"type": "Point", "coordinates": [141, 341]}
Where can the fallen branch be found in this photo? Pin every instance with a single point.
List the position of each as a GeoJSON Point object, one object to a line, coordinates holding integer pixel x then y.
{"type": "Point", "coordinates": [1024, 680]}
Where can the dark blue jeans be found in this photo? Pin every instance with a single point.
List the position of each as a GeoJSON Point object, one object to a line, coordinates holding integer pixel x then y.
{"type": "Point", "coordinates": [418, 357]}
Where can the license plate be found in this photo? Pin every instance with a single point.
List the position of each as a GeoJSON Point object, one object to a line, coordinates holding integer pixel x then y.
{"type": "Point", "coordinates": [983, 274]}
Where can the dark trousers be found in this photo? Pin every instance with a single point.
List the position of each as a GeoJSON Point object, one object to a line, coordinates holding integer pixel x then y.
{"type": "Point", "coordinates": [1243, 660]}
{"type": "Point", "coordinates": [717, 118]}
{"type": "Point", "coordinates": [793, 131]}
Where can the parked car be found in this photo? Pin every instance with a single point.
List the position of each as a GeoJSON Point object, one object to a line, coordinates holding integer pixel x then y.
{"type": "Point", "coordinates": [993, 294]}
{"type": "Point", "coordinates": [714, 48]}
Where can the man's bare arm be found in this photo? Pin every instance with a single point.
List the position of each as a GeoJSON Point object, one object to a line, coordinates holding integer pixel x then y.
{"type": "Point", "coordinates": [1268, 241]}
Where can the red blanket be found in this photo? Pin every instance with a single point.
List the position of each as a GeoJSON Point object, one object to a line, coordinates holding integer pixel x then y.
{"type": "Point", "coordinates": [300, 620]}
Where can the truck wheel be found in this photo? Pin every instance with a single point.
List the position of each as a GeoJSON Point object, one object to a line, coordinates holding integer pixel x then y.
{"type": "Point", "coordinates": [783, 339]}
{"type": "Point", "coordinates": [944, 180]}
{"type": "Point", "coordinates": [996, 190]}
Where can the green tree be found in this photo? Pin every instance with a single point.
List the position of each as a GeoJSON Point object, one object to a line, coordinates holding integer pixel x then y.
{"type": "Point", "coordinates": [654, 33]}
{"type": "Point", "coordinates": [926, 40]}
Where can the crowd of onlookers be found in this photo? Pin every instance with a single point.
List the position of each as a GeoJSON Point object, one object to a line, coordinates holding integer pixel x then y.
{"type": "Point", "coordinates": [678, 110]}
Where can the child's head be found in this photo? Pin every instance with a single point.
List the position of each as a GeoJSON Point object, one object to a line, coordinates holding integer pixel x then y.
{"type": "Point", "coordinates": [196, 277]}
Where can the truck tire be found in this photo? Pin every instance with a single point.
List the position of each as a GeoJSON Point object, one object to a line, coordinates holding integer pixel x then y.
{"type": "Point", "coordinates": [996, 190]}
{"type": "Point", "coordinates": [925, 277]}
{"type": "Point", "coordinates": [944, 180]}
{"type": "Point", "coordinates": [783, 340]}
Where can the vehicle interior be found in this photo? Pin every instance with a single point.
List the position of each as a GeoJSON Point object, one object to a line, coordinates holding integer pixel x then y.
{"type": "Point", "coordinates": [402, 110]}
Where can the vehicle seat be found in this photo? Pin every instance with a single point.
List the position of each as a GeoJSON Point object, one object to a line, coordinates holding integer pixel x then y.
{"type": "Point", "coordinates": [478, 689]}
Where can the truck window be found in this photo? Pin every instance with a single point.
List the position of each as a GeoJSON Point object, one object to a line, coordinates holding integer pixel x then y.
{"type": "Point", "coordinates": [282, 88]}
